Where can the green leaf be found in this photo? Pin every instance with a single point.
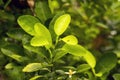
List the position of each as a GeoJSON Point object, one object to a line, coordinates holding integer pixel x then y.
{"type": "Point", "coordinates": [70, 40]}
{"type": "Point", "coordinates": [41, 30]}
{"type": "Point", "coordinates": [51, 25]}
{"type": "Point", "coordinates": [90, 59]}
{"type": "Point", "coordinates": [116, 76]}
{"type": "Point", "coordinates": [35, 77]}
{"type": "Point", "coordinates": [58, 54]}
{"type": "Point", "coordinates": [42, 10]}
{"type": "Point", "coordinates": [61, 24]}
{"type": "Point", "coordinates": [27, 23]}
{"type": "Point", "coordinates": [32, 67]}
{"type": "Point", "coordinates": [12, 55]}
{"type": "Point", "coordinates": [16, 34]}
{"type": "Point", "coordinates": [83, 67]}
{"type": "Point", "coordinates": [9, 66]}
{"type": "Point", "coordinates": [75, 50]}
{"type": "Point", "coordinates": [39, 41]}
{"type": "Point", "coordinates": [78, 50]}
{"type": "Point", "coordinates": [37, 50]}
{"type": "Point", "coordinates": [105, 63]}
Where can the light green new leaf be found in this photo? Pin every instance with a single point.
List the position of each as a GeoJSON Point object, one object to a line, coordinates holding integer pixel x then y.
{"type": "Point", "coordinates": [32, 67]}
{"type": "Point", "coordinates": [105, 63]}
{"type": "Point", "coordinates": [9, 66]}
{"type": "Point", "coordinates": [61, 24]}
{"type": "Point", "coordinates": [41, 30]}
{"type": "Point", "coordinates": [78, 50]}
{"type": "Point", "coordinates": [27, 23]}
{"type": "Point", "coordinates": [39, 41]}
{"type": "Point", "coordinates": [75, 50]}
{"type": "Point", "coordinates": [35, 77]}
{"type": "Point", "coordinates": [90, 59]}
{"type": "Point", "coordinates": [70, 40]}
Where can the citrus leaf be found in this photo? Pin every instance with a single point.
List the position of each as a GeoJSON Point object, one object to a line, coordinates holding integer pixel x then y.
{"type": "Point", "coordinates": [36, 77]}
{"type": "Point", "coordinates": [58, 54]}
{"type": "Point", "coordinates": [116, 76]}
{"type": "Point", "coordinates": [78, 50]}
{"type": "Point", "coordinates": [106, 63]}
{"type": "Point", "coordinates": [62, 23]}
{"type": "Point", "coordinates": [12, 55]}
{"type": "Point", "coordinates": [41, 30]}
{"type": "Point", "coordinates": [27, 23]}
{"type": "Point", "coordinates": [39, 41]}
{"type": "Point", "coordinates": [83, 67]}
{"type": "Point", "coordinates": [70, 40]}
{"type": "Point", "coordinates": [32, 67]}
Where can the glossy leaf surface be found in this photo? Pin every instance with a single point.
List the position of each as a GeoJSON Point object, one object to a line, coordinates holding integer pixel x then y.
{"type": "Point", "coordinates": [62, 23]}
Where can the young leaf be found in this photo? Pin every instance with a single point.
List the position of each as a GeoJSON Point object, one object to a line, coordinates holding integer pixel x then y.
{"type": "Point", "coordinates": [39, 41]}
{"type": "Point", "coordinates": [78, 50]}
{"type": "Point", "coordinates": [61, 24]}
{"type": "Point", "coordinates": [41, 30]}
{"type": "Point", "coordinates": [70, 40]}
{"type": "Point", "coordinates": [75, 50]}
{"type": "Point", "coordinates": [36, 77]}
{"type": "Point", "coordinates": [27, 23]}
{"type": "Point", "coordinates": [90, 59]}
{"type": "Point", "coordinates": [106, 63]}
{"type": "Point", "coordinates": [32, 67]}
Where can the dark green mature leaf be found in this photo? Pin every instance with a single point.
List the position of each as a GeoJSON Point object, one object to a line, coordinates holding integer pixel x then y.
{"type": "Point", "coordinates": [116, 76]}
{"type": "Point", "coordinates": [42, 10]}
{"type": "Point", "coordinates": [83, 67]}
{"type": "Point", "coordinates": [6, 16]}
{"type": "Point", "coordinates": [32, 67]}
{"type": "Point", "coordinates": [106, 63]}
{"type": "Point", "coordinates": [58, 54]}
{"type": "Point", "coordinates": [62, 23]}
{"type": "Point", "coordinates": [16, 34]}
{"type": "Point", "coordinates": [27, 23]}
{"type": "Point", "coordinates": [12, 55]}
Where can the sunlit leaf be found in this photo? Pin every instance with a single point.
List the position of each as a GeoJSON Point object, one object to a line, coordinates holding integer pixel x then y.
{"type": "Point", "coordinates": [39, 41]}
{"type": "Point", "coordinates": [35, 77]}
{"type": "Point", "coordinates": [27, 23]}
{"type": "Point", "coordinates": [32, 67]}
{"type": "Point", "coordinates": [9, 66]}
{"type": "Point", "coordinates": [70, 39]}
{"type": "Point", "coordinates": [41, 30]}
{"type": "Point", "coordinates": [78, 50]}
{"type": "Point", "coordinates": [61, 24]}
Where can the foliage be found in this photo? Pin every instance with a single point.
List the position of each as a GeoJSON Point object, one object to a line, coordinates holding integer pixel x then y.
{"type": "Point", "coordinates": [60, 40]}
